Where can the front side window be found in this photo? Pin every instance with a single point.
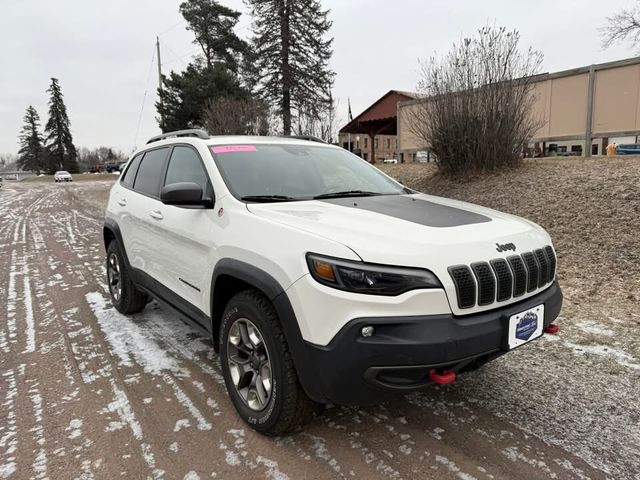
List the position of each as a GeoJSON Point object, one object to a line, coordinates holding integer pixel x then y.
{"type": "Point", "coordinates": [150, 172]}
{"type": "Point", "coordinates": [298, 172]}
{"type": "Point", "coordinates": [185, 166]}
{"type": "Point", "coordinates": [130, 175]}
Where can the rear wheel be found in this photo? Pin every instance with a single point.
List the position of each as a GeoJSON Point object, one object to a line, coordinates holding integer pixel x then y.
{"type": "Point", "coordinates": [124, 294]}
{"type": "Point", "coordinates": [258, 369]}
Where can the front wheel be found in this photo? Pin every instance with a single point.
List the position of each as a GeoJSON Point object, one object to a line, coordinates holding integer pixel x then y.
{"type": "Point", "coordinates": [124, 294]}
{"type": "Point", "coordinates": [258, 369]}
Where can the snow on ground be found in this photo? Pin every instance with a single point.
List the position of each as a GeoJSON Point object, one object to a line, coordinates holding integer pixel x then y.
{"type": "Point", "coordinates": [86, 392]}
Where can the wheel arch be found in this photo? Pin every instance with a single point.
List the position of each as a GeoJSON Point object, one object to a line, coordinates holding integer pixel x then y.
{"type": "Point", "coordinates": [110, 232]}
{"type": "Point", "coordinates": [231, 276]}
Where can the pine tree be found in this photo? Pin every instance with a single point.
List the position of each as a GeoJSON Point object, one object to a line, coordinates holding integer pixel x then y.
{"type": "Point", "coordinates": [31, 153]}
{"type": "Point", "coordinates": [212, 24]}
{"type": "Point", "coordinates": [291, 56]}
{"type": "Point", "coordinates": [214, 74]}
{"type": "Point", "coordinates": [60, 152]}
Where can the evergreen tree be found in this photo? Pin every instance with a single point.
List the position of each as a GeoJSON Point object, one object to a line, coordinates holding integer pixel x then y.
{"type": "Point", "coordinates": [212, 24]}
{"type": "Point", "coordinates": [186, 95]}
{"type": "Point", "coordinates": [31, 153]}
{"type": "Point", "coordinates": [291, 56]}
{"type": "Point", "coordinates": [60, 152]}
{"type": "Point", "coordinates": [212, 75]}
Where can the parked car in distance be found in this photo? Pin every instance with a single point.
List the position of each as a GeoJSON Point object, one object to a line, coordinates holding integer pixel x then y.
{"type": "Point", "coordinates": [62, 176]}
{"type": "Point", "coordinates": [278, 249]}
{"type": "Point", "coordinates": [628, 149]}
{"type": "Point", "coordinates": [389, 160]}
{"type": "Point", "coordinates": [113, 167]}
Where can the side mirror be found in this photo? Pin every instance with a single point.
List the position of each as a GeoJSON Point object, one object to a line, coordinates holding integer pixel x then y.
{"type": "Point", "coordinates": [184, 194]}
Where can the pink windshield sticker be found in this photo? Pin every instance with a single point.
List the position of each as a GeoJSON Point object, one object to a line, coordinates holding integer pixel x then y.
{"type": "Point", "coordinates": [233, 148]}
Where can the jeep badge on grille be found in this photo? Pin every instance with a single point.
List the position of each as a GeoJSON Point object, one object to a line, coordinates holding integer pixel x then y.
{"type": "Point", "coordinates": [505, 246]}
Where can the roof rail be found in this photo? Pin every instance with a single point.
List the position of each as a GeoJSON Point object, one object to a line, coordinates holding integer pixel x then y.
{"type": "Point", "coordinates": [309, 138]}
{"type": "Point", "coordinates": [193, 132]}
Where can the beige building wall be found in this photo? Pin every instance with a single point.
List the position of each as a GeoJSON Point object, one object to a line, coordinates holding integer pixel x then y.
{"type": "Point", "coordinates": [386, 146]}
{"type": "Point", "coordinates": [561, 106]}
{"type": "Point", "coordinates": [615, 102]}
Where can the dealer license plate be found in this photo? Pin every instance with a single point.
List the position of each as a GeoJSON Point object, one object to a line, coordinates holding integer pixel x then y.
{"type": "Point", "coordinates": [525, 326]}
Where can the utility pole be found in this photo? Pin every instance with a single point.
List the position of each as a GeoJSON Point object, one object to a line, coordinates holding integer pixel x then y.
{"type": "Point", "coordinates": [159, 65]}
{"type": "Point", "coordinates": [159, 75]}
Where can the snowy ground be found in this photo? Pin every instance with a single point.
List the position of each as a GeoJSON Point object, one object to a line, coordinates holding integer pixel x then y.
{"type": "Point", "coordinates": [88, 393]}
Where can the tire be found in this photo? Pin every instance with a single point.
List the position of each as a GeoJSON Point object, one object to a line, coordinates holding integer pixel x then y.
{"type": "Point", "coordinates": [287, 407]}
{"type": "Point", "coordinates": [124, 295]}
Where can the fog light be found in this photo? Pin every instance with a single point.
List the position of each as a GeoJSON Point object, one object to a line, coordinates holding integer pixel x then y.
{"type": "Point", "coordinates": [367, 331]}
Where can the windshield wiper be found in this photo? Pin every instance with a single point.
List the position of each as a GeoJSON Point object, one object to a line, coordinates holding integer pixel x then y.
{"type": "Point", "coordinates": [267, 198]}
{"type": "Point", "coordinates": [347, 193]}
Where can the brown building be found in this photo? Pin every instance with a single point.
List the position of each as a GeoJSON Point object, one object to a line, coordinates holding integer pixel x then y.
{"type": "Point", "coordinates": [592, 105]}
{"type": "Point", "coordinates": [372, 134]}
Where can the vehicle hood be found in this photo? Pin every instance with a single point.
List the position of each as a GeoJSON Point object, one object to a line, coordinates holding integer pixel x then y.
{"type": "Point", "coordinates": [411, 230]}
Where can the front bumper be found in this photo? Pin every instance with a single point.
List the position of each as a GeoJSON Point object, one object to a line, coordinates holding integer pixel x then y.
{"type": "Point", "coordinates": [353, 369]}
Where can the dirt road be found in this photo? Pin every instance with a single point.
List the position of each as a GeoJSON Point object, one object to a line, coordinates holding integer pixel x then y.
{"type": "Point", "coordinates": [88, 393]}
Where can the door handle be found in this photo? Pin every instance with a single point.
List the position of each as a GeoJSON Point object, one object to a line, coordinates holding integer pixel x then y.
{"type": "Point", "coordinates": [157, 214]}
{"type": "Point", "coordinates": [122, 202]}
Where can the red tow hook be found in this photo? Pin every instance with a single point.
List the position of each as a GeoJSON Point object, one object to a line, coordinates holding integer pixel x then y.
{"type": "Point", "coordinates": [552, 329]}
{"type": "Point", "coordinates": [444, 378]}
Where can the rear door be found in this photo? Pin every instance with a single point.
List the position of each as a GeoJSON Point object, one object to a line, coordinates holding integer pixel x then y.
{"type": "Point", "coordinates": [187, 249]}
{"type": "Point", "coordinates": [145, 230]}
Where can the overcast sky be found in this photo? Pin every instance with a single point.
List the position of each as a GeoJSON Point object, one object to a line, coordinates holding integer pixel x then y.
{"type": "Point", "coordinates": [102, 52]}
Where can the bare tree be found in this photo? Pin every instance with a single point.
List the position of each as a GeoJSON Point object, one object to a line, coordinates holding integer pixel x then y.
{"type": "Point", "coordinates": [475, 110]}
{"type": "Point", "coordinates": [233, 116]}
{"type": "Point", "coordinates": [8, 161]}
{"type": "Point", "coordinates": [323, 123]}
{"type": "Point", "coordinates": [624, 25]}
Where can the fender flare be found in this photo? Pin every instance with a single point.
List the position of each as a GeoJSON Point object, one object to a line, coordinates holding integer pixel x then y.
{"type": "Point", "coordinates": [272, 289]}
{"type": "Point", "coordinates": [111, 229]}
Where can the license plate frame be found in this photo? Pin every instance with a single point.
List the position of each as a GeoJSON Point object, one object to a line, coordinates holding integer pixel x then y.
{"type": "Point", "coordinates": [525, 326]}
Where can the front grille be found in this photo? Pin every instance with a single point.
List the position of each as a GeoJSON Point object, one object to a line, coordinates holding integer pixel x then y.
{"type": "Point", "coordinates": [552, 261]}
{"type": "Point", "coordinates": [465, 286]}
{"type": "Point", "coordinates": [504, 278]}
{"type": "Point", "coordinates": [486, 283]}
{"type": "Point", "coordinates": [519, 275]}
{"type": "Point", "coordinates": [543, 262]}
{"type": "Point", "coordinates": [500, 280]}
{"type": "Point", "coordinates": [532, 271]}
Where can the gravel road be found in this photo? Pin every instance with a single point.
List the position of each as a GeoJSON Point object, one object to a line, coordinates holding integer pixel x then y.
{"type": "Point", "coordinates": [88, 393]}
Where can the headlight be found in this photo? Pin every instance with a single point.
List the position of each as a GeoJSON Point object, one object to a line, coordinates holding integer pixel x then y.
{"type": "Point", "coordinates": [368, 278]}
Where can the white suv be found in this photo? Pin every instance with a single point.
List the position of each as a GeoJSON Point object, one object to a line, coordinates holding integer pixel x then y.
{"type": "Point", "coordinates": [319, 278]}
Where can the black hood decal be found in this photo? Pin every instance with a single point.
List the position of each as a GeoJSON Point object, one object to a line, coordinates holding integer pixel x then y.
{"type": "Point", "coordinates": [412, 209]}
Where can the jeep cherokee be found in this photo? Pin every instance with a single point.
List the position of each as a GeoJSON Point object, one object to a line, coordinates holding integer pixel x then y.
{"type": "Point", "coordinates": [319, 278]}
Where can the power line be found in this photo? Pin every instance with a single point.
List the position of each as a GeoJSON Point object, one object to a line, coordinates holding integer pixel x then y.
{"type": "Point", "coordinates": [181, 22]}
{"type": "Point", "coordinates": [144, 98]}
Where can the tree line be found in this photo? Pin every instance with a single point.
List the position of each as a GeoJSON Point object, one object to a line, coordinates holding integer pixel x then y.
{"type": "Point", "coordinates": [55, 149]}
{"type": "Point", "coordinates": [277, 81]}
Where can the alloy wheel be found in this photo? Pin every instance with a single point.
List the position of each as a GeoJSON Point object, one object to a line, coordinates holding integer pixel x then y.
{"type": "Point", "coordinates": [113, 277]}
{"type": "Point", "coordinates": [249, 364]}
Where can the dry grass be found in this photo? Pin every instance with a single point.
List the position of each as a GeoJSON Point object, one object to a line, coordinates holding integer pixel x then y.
{"type": "Point", "coordinates": [591, 208]}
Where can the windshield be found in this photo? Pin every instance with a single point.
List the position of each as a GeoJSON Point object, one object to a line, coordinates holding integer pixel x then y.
{"type": "Point", "coordinates": [285, 172]}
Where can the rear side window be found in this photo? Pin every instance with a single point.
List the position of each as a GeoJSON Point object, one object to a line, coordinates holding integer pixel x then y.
{"type": "Point", "coordinates": [185, 166]}
{"type": "Point", "coordinates": [130, 174]}
{"type": "Point", "coordinates": [150, 172]}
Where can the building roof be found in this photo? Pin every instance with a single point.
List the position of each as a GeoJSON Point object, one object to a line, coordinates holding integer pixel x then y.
{"type": "Point", "coordinates": [381, 116]}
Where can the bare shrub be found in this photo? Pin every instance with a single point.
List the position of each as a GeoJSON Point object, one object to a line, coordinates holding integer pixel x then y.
{"type": "Point", "coordinates": [233, 116]}
{"type": "Point", "coordinates": [475, 111]}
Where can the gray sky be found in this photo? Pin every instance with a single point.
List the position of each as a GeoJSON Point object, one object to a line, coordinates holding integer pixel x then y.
{"type": "Point", "coordinates": [102, 50]}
